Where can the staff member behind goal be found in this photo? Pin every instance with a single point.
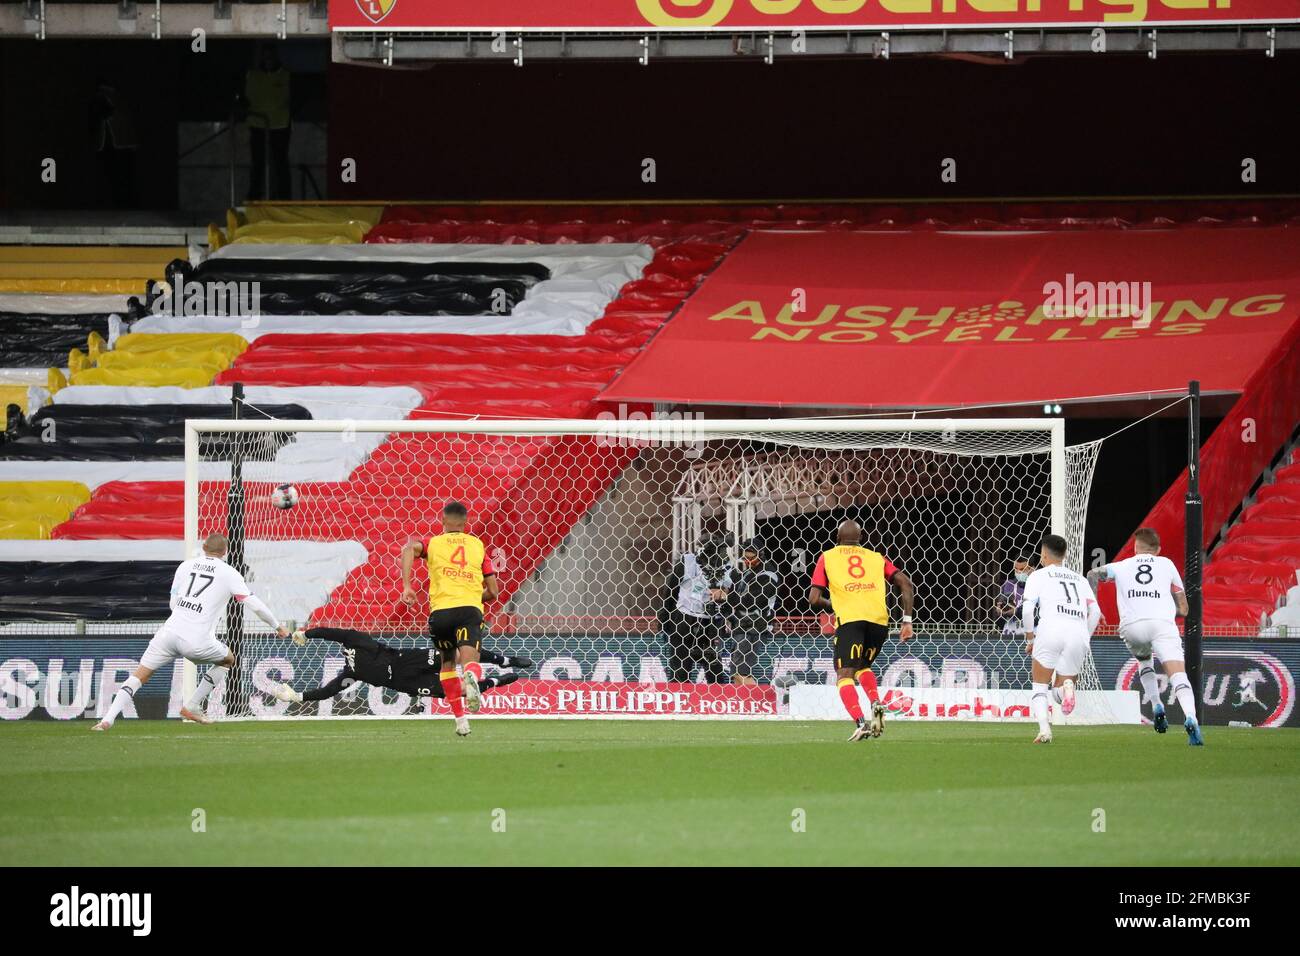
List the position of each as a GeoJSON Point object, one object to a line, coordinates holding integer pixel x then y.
{"type": "Point", "coordinates": [368, 661]}
{"type": "Point", "coordinates": [461, 578]}
{"type": "Point", "coordinates": [854, 578]}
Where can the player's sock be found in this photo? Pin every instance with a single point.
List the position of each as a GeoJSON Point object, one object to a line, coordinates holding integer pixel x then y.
{"type": "Point", "coordinates": [868, 681]}
{"type": "Point", "coordinates": [454, 693]}
{"type": "Point", "coordinates": [1184, 694]}
{"type": "Point", "coordinates": [1038, 708]}
{"type": "Point", "coordinates": [1057, 695]}
{"type": "Point", "coordinates": [204, 687]}
{"type": "Point", "coordinates": [475, 668]}
{"type": "Point", "coordinates": [1150, 686]}
{"type": "Point", "coordinates": [491, 657]}
{"type": "Point", "coordinates": [849, 694]}
{"type": "Point", "coordinates": [125, 692]}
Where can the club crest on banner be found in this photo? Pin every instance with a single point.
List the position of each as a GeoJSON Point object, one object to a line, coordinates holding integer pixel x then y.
{"type": "Point", "coordinates": [376, 10]}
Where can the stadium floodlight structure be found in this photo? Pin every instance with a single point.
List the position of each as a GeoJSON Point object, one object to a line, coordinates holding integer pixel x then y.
{"type": "Point", "coordinates": [588, 522]}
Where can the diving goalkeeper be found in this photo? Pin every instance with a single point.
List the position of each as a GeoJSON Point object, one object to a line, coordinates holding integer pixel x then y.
{"type": "Point", "coordinates": [369, 661]}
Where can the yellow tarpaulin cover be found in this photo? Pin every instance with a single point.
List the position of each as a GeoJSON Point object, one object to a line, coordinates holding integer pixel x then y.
{"type": "Point", "coordinates": [25, 529]}
{"type": "Point", "coordinates": [88, 286]}
{"type": "Point", "coordinates": [13, 395]}
{"type": "Point", "coordinates": [302, 232]}
{"type": "Point", "coordinates": [257, 212]}
{"type": "Point", "coordinates": [165, 358]}
{"type": "Point", "coordinates": [181, 377]}
{"type": "Point", "coordinates": [51, 509]}
{"type": "Point", "coordinates": [30, 509]}
{"type": "Point", "coordinates": [74, 493]}
{"type": "Point", "coordinates": [227, 343]}
{"type": "Point", "coordinates": [160, 255]}
{"type": "Point", "coordinates": [81, 270]}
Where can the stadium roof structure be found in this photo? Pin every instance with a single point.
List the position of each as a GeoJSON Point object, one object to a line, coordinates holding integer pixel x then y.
{"type": "Point", "coordinates": [391, 31]}
{"type": "Point", "coordinates": [386, 47]}
{"type": "Point", "coordinates": [650, 30]}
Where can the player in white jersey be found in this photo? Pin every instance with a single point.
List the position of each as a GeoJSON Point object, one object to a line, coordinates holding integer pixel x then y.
{"type": "Point", "coordinates": [201, 589]}
{"type": "Point", "coordinates": [1149, 591]}
{"type": "Point", "coordinates": [1060, 614]}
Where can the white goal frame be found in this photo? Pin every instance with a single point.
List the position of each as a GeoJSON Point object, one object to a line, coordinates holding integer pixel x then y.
{"type": "Point", "coordinates": [655, 430]}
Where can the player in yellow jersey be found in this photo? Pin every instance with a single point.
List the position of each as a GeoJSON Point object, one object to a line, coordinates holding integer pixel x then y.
{"type": "Point", "coordinates": [461, 578]}
{"type": "Point", "coordinates": [854, 577]}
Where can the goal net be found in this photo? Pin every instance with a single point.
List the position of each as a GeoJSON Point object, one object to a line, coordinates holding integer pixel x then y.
{"type": "Point", "coordinates": [656, 567]}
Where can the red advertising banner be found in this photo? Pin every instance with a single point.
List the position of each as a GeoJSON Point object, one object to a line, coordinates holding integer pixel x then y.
{"type": "Point", "coordinates": [789, 15]}
{"type": "Point", "coordinates": [574, 698]}
{"type": "Point", "coordinates": [943, 319]}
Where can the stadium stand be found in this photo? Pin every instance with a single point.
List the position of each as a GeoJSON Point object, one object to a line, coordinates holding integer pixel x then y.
{"type": "Point", "coordinates": [389, 312]}
{"type": "Point", "coordinates": [1255, 574]}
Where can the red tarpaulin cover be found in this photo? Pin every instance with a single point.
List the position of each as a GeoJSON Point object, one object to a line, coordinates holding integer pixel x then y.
{"type": "Point", "coordinates": [946, 319]}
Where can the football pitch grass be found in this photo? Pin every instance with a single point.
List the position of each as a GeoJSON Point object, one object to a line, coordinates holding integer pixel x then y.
{"type": "Point", "coordinates": [643, 792]}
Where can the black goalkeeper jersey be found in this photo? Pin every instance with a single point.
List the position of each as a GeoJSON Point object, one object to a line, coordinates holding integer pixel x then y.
{"type": "Point", "coordinates": [368, 661]}
{"type": "Point", "coordinates": [411, 672]}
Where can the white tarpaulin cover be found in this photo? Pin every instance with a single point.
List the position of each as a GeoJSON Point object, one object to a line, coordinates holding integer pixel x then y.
{"type": "Point", "coordinates": [292, 577]}
{"type": "Point", "coordinates": [52, 304]}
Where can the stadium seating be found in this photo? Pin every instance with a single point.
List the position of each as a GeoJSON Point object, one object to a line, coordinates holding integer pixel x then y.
{"type": "Point", "coordinates": [400, 300]}
{"type": "Point", "coordinates": [1252, 572]}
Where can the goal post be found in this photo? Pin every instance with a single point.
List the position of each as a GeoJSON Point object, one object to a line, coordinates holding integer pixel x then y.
{"type": "Point", "coordinates": [654, 567]}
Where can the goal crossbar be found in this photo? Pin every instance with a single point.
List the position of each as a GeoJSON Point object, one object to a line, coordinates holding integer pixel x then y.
{"type": "Point", "coordinates": [653, 426]}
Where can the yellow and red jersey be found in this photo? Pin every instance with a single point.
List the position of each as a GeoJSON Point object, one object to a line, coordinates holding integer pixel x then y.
{"type": "Point", "coordinates": [855, 577]}
{"type": "Point", "coordinates": [458, 562]}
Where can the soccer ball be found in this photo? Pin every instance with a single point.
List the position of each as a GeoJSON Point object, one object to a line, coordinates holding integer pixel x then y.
{"type": "Point", "coordinates": [284, 497]}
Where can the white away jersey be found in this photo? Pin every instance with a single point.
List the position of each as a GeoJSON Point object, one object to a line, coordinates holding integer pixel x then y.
{"type": "Point", "coordinates": [1145, 586]}
{"type": "Point", "coordinates": [1055, 596]}
{"type": "Point", "coordinates": [201, 589]}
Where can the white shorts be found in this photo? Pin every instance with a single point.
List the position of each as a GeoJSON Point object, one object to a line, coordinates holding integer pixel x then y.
{"type": "Point", "coordinates": [1062, 649]}
{"type": "Point", "coordinates": [167, 645]}
{"type": "Point", "coordinates": [1153, 636]}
